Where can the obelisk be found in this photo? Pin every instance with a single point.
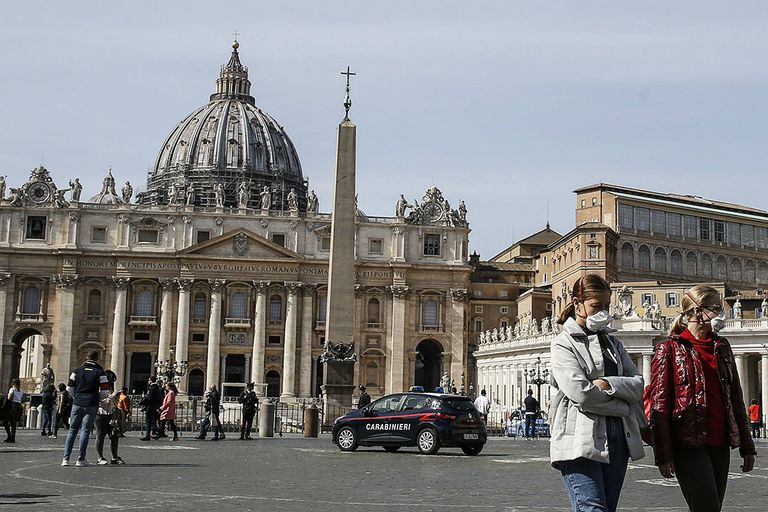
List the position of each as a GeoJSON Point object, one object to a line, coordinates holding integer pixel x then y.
{"type": "Point", "coordinates": [339, 355]}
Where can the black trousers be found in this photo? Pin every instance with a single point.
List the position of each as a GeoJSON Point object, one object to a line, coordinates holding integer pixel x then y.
{"type": "Point", "coordinates": [11, 420]}
{"type": "Point", "coordinates": [103, 429]}
{"type": "Point", "coordinates": [247, 423]}
{"type": "Point", "coordinates": [62, 417]}
{"type": "Point", "coordinates": [703, 475]}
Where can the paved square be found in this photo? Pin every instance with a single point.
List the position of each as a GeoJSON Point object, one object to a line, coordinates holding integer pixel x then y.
{"type": "Point", "coordinates": [293, 473]}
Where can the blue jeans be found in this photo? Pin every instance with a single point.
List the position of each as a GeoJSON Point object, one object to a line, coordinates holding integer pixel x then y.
{"type": "Point", "coordinates": [81, 417]}
{"type": "Point", "coordinates": [594, 486]}
{"type": "Point", "coordinates": [530, 425]}
{"type": "Point", "coordinates": [47, 416]}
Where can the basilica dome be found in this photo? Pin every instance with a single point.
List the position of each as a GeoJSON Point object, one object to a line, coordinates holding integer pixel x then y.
{"type": "Point", "coordinates": [228, 141]}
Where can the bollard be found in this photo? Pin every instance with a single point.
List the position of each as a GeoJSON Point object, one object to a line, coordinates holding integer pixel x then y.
{"type": "Point", "coordinates": [35, 417]}
{"type": "Point", "coordinates": [311, 420]}
{"type": "Point", "coordinates": [267, 419]}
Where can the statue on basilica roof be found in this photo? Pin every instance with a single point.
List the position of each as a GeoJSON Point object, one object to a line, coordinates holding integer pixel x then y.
{"type": "Point", "coordinates": [127, 192]}
{"type": "Point", "coordinates": [293, 200]}
{"type": "Point", "coordinates": [313, 205]}
{"type": "Point", "coordinates": [76, 188]}
{"type": "Point", "coordinates": [266, 198]}
{"type": "Point", "coordinates": [2, 188]}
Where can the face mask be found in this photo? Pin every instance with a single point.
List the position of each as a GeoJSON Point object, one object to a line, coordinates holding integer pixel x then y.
{"type": "Point", "coordinates": [718, 323]}
{"type": "Point", "coordinates": [599, 321]}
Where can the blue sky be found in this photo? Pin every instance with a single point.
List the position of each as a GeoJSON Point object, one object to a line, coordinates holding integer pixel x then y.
{"type": "Point", "coordinates": [507, 105]}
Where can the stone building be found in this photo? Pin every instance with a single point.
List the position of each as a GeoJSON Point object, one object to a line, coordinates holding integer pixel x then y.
{"type": "Point", "coordinates": [223, 264]}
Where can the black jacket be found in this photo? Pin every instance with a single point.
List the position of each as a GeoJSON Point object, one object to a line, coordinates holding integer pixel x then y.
{"type": "Point", "coordinates": [87, 381]}
{"type": "Point", "coordinates": [212, 402]}
{"type": "Point", "coordinates": [531, 404]}
{"type": "Point", "coordinates": [49, 397]}
{"type": "Point", "coordinates": [364, 400]}
{"type": "Point", "coordinates": [249, 400]}
{"type": "Point", "coordinates": [153, 399]}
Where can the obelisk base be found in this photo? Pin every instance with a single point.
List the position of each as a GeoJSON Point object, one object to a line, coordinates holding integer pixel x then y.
{"type": "Point", "coordinates": [338, 386]}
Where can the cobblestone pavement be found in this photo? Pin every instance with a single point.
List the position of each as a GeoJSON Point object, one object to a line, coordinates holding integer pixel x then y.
{"type": "Point", "coordinates": [293, 473]}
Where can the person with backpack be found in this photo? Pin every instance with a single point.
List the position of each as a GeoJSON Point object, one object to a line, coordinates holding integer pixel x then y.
{"type": "Point", "coordinates": [63, 410]}
{"type": "Point", "coordinates": [12, 410]}
{"type": "Point", "coordinates": [695, 404]}
{"type": "Point", "coordinates": [596, 410]}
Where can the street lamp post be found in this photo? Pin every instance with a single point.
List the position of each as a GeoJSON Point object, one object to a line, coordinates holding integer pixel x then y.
{"type": "Point", "coordinates": [170, 369]}
{"type": "Point", "coordinates": [537, 377]}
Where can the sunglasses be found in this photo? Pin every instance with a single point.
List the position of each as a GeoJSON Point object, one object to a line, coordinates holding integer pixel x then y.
{"type": "Point", "coordinates": [715, 308]}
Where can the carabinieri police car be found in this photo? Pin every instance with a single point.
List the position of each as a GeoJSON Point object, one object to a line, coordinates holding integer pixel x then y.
{"type": "Point", "coordinates": [426, 420]}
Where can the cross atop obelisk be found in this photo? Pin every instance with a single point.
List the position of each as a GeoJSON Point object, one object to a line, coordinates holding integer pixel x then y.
{"type": "Point", "coordinates": [347, 99]}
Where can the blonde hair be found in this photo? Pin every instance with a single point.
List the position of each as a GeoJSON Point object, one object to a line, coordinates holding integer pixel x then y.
{"type": "Point", "coordinates": [584, 288]}
{"type": "Point", "coordinates": [697, 296]}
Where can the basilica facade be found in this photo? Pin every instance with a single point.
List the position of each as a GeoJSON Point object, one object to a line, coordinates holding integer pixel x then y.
{"type": "Point", "coordinates": [221, 265]}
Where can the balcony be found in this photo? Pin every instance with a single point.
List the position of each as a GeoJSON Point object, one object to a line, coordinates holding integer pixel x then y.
{"type": "Point", "coordinates": [237, 323]}
{"type": "Point", "coordinates": [30, 318]}
{"type": "Point", "coordinates": [430, 328]}
{"type": "Point", "coordinates": [374, 326]}
{"type": "Point", "coordinates": [142, 321]}
{"type": "Point", "coordinates": [199, 320]}
{"type": "Point", "coordinates": [320, 325]}
{"type": "Point", "coordinates": [93, 318]}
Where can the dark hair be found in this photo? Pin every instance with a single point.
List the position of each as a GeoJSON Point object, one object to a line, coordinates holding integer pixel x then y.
{"type": "Point", "coordinates": [586, 287]}
{"type": "Point", "coordinates": [172, 387]}
{"type": "Point", "coordinates": [153, 378]}
{"type": "Point", "coordinates": [16, 382]}
{"type": "Point", "coordinates": [362, 388]}
{"type": "Point", "coordinates": [482, 392]}
{"type": "Point", "coordinates": [62, 386]}
{"type": "Point", "coordinates": [93, 355]}
{"type": "Point", "coordinates": [124, 390]}
{"type": "Point", "coordinates": [530, 391]}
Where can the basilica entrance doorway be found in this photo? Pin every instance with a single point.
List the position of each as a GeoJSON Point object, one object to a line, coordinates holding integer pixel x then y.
{"type": "Point", "coordinates": [273, 383]}
{"type": "Point", "coordinates": [25, 360]}
{"type": "Point", "coordinates": [429, 362]}
{"type": "Point", "coordinates": [141, 369]}
{"type": "Point", "coordinates": [196, 382]}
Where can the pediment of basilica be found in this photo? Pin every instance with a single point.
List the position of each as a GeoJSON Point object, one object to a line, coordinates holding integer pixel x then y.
{"type": "Point", "coordinates": [240, 244]}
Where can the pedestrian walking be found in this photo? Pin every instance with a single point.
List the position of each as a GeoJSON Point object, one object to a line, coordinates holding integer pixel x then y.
{"type": "Point", "coordinates": [106, 424]}
{"type": "Point", "coordinates": [596, 410]}
{"type": "Point", "coordinates": [168, 410]}
{"type": "Point", "coordinates": [696, 408]}
{"type": "Point", "coordinates": [87, 384]}
{"type": "Point", "coordinates": [123, 411]}
{"type": "Point", "coordinates": [211, 420]}
{"type": "Point", "coordinates": [250, 403]}
{"type": "Point", "coordinates": [49, 399]}
{"type": "Point", "coordinates": [364, 399]}
{"type": "Point", "coordinates": [531, 412]}
{"type": "Point", "coordinates": [151, 403]}
{"type": "Point", "coordinates": [483, 404]}
{"type": "Point", "coordinates": [12, 410]}
{"type": "Point", "coordinates": [63, 409]}
{"type": "Point", "coordinates": [754, 418]}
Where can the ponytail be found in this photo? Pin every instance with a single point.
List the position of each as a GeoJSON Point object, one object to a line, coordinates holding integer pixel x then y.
{"type": "Point", "coordinates": [679, 325]}
{"type": "Point", "coordinates": [568, 312]}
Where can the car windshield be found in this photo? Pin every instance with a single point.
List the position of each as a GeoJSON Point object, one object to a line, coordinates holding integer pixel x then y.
{"type": "Point", "coordinates": [459, 404]}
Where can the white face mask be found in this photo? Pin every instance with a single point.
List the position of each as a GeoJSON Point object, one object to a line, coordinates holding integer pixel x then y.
{"type": "Point", "coordinates": [718, 323]}
{"type": "Point", "coordinates": [599, 321]}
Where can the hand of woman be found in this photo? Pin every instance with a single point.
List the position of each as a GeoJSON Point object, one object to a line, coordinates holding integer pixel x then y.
{"type": "Point", "coordinates": [749, 462]}
{"type": "Point", "coordinates": [667, 469]}
{"type": "Point", "coordinates": [601, 384]}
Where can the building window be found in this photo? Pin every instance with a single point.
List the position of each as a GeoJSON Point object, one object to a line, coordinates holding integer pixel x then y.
{"type": "Point", "coordinates": [705, 229]}
{"type": "Point", "coordinates": [545, 260]}
{"type": "Point", "coordinates": [747, 235]}
{"type": "Point", "coordinates": [238, 305]}
{"type": "Point", "coordinates": [721, 268]}
{"type": "Point", "coordinates": [198, 337]}
{"type": "Point", "coordinates": [719, 230]}
{"type": "Point", "coordinates": [735, 269]}
{"type": "Point", "coordinates": [375, 245]}
{"type": "Point", "coordinates": [504, 310]}
{"type": "Point", "coordinates": [660, 260]}
{"type": "Point", "coordinates": [203, 236]}
{"type": "Point", "coordinates": [275, 309]}
{"type": "Point", "coordinates": [593, 252]}
{"type": "Point", "coordinates": [676, 262]}
{"type": "Point", "coordinates": [644, 258]}
{"type": "Point", "coordinates": [142, 336]}
{"type": "Point", "coordinates": [429, 313]}
{"type": "Point", "coordinates": [674, 224]}
{"type": "Point", "coordinates": [750, 272]}
{"type": "Point", "coordinates": [98, 234]}
{"type": "Point", "coordinates": [94, 305]}
{"type": "Point", "coordinates": [706, 266]}
{"type": "Point", "coordinates": [659, 221]}
{"type": "Point", "coordinates": [374, 312]}
{"type": "Point", "coordinates": [503, 294]}
{"type": "Point", "coordinates": [642, 219]}
{"type": "Point", "coordinates": [761, 234]}
{"type": "Point", "coordinates": [325, 243]}
{"type": "Point", "coordinates": [478, 325]}
{"type": "Point", "coordinates": [583, 203]}
{"type": "Point", "coordinates": [477, 293]}
{"type": "Point", "coordinates": [627, 256]}
{"type": "Point", "coordinates": [278, 238]}
{"type": "Point", "coordinates": [594, 201]}
{"type": "Point", "coordinates": [626, 216]}
{"type": "Point", "coordinates": [149, 236]}
{"type": "Point", "coordinates": [36, 227]}
{"type": "Point", "coordinates": [762, 273]}
{"type": "Point", "coordinates": [322, 301]}
{"type": "Point", "coordinates": [431, 244]}
{"type": "Point", "coordinates": [691, 264]}
{"type": "Point", "coordinates": [672, 301]}
{"type": "Point", "coordinates": [545, 278]}
{"type": "Point", "coordinates": [734, 233]}
{"type": "Point", "coordinates": [199, 308]}
{"type": "Point", "coordinates": [274, 339]}
{"type": "Point", "coordinates": [31, 302]}
{"type": "Point", "coordinates": [145, 303]}
{"type": "Point", "coordinates": [690, 227]}
{"type": "Point", "coordinates": [648, 298]}
{"type": "Point", "coordinates": [478, 309]}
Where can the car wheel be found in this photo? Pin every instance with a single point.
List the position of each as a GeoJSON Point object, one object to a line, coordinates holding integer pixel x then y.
{"type": "Point", "coordinates": [428, 442]}
{"type": "Point", "coordinates": [391, 449]}
{"type": "Point", "coordinates": [347, 440]}
{"type": "Point", "coordinates": [472, 449]}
